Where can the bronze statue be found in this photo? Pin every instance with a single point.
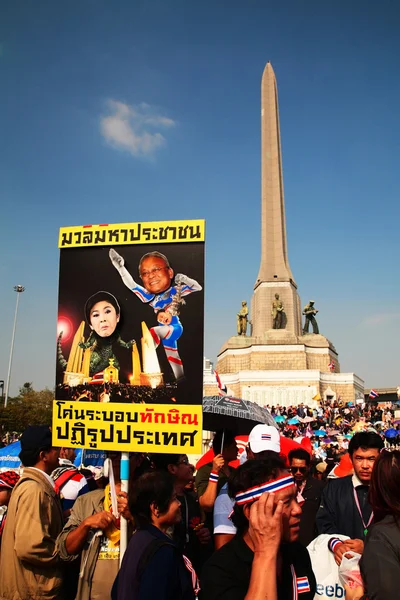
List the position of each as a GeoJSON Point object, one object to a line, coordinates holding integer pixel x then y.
{"type": "Point", "coordinates": [277, 313]}
{"type": "Point", "coordinates": [310, 311]}
{"type": "Point", "coordinates": [242, 319]}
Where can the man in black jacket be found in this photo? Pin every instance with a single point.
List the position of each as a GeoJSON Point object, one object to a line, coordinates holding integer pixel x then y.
{"type": "Point", "coordinates": [264, 558]}
{"type": "Point", "coordinates": [309, 492]}
{"type": "Point", "coordinates": [344, 504]}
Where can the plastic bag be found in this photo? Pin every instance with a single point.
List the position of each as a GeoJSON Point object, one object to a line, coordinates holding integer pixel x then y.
{"type": "Point", "coordinates": [325, 568]}
{"type": "Point", "coordinates": [349, 570]}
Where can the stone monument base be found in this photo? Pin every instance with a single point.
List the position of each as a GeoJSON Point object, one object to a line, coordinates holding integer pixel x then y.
{"type": "Point", "coordinates": [277, 349]}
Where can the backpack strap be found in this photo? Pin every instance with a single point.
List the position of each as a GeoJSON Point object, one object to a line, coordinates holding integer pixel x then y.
{"type": "Point", "coordinates": [148, 554]}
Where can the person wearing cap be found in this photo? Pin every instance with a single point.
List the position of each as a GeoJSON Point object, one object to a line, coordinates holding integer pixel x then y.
{"type": "Point", "coordinates": [264, 560]}
{"type": "Point", "coordinates": [263, 442]}
{"type": "Point", "coordinates": [30, 567]}
{"type": "Point", "coordinates": [309, 492]}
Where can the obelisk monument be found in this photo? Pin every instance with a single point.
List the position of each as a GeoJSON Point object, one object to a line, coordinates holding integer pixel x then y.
{"type": "Point", "coordinates": [275, 362]}
{"type": "Point", "coordinates": [274, 276]}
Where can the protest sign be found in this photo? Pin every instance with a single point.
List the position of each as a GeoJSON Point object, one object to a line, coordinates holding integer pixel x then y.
{"type": "Point", "coordinates": [130, 316]}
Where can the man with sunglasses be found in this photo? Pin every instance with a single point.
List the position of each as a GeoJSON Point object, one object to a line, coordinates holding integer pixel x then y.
{"type": "Point", "coordinates": [309, 491]}
{"type": "Point", "coordinates": [190, 534]}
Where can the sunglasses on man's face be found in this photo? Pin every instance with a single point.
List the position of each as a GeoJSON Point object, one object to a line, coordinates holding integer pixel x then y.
{"type": "Point", "coordinates": [302, 470]}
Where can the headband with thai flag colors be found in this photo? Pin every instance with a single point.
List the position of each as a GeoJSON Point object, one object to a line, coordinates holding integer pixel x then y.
{"type": "Point", "coordinates": [273, 486]}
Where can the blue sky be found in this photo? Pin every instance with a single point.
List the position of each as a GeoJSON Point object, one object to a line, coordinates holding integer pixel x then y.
{"type": "Point", "coordinates": [150, 110]}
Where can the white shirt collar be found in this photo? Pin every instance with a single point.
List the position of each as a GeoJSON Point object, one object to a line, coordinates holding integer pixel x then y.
{"type": "Point", "coordinates": [66, 462]}
{"type": "Point", "coordinates": [50, 480]}
{"type": "Point", "coordinates": [356, 482]}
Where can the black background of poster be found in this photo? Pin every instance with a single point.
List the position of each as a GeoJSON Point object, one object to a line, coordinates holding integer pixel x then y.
{"type": "Point", "coordinates": [85, 271]}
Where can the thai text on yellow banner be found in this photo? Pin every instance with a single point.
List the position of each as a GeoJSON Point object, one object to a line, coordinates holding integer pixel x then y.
{"type": "Point", "coordinates": [157, 232]}
{"type": "Point", "coordinates": [128, 427]}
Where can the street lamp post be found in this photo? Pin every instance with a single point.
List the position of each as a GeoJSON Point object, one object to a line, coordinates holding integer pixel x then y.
{"type": "Point", "coordinates": [19, 289]}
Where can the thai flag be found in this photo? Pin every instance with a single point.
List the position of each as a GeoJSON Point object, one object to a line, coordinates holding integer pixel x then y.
{"type": "Point", "coordinates": [266, 437]}
{"type": "Point", "coordinates": [373, 394]}
{"type": "Point", "coordinates": [302, 585]}
{"type": "Point", "coordinates": [221, 386]}
{"type": "Point", "coordinates": [331, 366]}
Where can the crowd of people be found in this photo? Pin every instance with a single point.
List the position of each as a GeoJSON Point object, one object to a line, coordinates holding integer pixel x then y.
{"type": "Point", "coordinates": [219, 533]}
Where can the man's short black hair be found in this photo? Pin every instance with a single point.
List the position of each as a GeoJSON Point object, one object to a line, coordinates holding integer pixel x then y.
{"type": "Point", "coordinates": [161, 461]}
{"type": "Point", "coordinates": [227, 435]}
{"type": "Point", "coordinates": [252, 473]}
{"type": "Point", "coordinates": [300, 454]}
{"type": "Point", "coordinates": [365, 440]}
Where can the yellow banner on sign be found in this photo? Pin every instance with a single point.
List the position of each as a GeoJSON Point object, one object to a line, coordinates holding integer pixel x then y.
{"type": "Point", "coordinates": [128, 427]}
{"type": "Point", "coordinates": [163, 232]}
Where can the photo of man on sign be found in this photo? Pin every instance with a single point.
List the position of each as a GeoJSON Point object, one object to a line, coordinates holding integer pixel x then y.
{"type": "Point", "coordinates": [164, 297]}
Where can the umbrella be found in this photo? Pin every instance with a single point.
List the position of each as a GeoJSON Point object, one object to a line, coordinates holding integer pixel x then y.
{"type": "Point", "coordinates": [391, 433]}
{"type": "Point", "coordinates": [286, 446]}
{"type": "Point", "coordinates": [226, 412]}
{"type": "Point", "coordinates": [381, 422]}
{"type": "Point", "coordinates": [319, 433]}
{"type": "Point", "coordinates": [328, 440]}
{"type": "Point", "coordinates": [279, 419]}
{"type": "Point", "coordinates": [306, 419]}
{"type": "Point", "coordinates": [293, 421]}
{"type": "Point", "coordinates": [292, 426]}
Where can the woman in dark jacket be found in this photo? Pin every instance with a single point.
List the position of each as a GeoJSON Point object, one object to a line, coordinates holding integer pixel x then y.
{"type": "Point", "coordinates": [153, 567]}
{"type": "Point", "coordinates": [380, 562]}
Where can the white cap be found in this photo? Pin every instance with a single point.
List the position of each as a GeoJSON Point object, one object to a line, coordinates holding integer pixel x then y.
{"type": "Point", "coordinates": [264, 437]}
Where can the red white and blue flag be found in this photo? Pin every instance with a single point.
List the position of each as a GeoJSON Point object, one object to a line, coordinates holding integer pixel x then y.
{"type": "Point", "coordinates": [373, 394]}
{"type": "Point", "coordinates": [266, 437]}
{"type": "Point", "coordinates": [222, 389]}
{"type": "Point", "coordinates": [303, 585]}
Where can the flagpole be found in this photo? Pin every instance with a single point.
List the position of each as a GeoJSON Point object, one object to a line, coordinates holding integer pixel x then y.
{"type": "Point", "coordinates": [124, 475]}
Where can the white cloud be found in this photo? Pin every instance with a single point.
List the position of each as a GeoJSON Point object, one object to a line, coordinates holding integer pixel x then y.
{"type": "Point", "coordinates": [134, 128]}
{"type": "Point", "coordinates": [379, 319]}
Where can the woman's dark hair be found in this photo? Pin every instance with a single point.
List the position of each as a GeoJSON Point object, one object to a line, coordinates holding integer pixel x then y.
{"type": "Point", "coordinates": [101, 296]}
{"type": "Point", "coordinates": [252, 473]}
{"type": "Point", "coordinates": [156, 487]}
{"type": "Point", "coordinates": [365, 440]}
{"type": "Point", "coordinates": [300, 454]}
{"type": "Point", "coordinates": [384, 489]}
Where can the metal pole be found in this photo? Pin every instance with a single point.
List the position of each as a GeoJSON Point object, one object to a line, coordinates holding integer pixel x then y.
{"type": "Point", "coordinates": [124, 471]}
{"type": "Point", "coordinates": [18, 289]}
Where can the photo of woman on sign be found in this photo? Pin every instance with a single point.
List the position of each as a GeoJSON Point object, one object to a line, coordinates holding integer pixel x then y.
{"type": "Point", "coordinates": [102, 314]}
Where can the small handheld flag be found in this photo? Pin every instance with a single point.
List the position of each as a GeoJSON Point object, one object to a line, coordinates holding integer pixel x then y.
{"type": "Point", "coordinates": [222, 389]}
{"type": "Point", "coordinates": [373, 394]}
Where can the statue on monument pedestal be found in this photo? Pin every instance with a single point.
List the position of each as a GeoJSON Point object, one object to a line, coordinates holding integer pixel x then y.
{"type": "Point", "coordinates": [310, 311]}
{"type": "Point", "coordinates": [242, 319]}
{"type": "Point", "coordinates": [277, 313]}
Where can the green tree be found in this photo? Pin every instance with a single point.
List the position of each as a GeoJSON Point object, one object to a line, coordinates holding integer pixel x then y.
{"type": "Point", "coordinates": [28, 408]}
